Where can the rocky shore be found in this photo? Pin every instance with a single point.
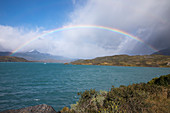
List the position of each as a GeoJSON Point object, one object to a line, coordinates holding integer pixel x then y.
{"type": "Point", "coordinates": [43, 108]}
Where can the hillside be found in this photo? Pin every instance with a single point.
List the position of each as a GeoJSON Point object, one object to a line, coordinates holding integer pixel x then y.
{"type": "Point", "coordinates": [125, 60]}
{"type": "Point", "coordinates": [12, 59]}
{"type": "Point", "coordinates": [163, 52]}
{"type": "Point", "coordinates": [151, 97]}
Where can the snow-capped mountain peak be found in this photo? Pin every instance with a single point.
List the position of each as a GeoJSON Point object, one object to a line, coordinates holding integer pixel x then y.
{"type": "Point", "coordinates": [33, 51]}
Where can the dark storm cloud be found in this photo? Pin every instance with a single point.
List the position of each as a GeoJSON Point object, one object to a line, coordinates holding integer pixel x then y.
{"type": "Point", "coordinates": [160, 38]}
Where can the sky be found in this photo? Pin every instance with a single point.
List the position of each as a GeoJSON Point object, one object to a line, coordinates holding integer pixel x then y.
{"type": "Point", "coordinates": [24, 20]}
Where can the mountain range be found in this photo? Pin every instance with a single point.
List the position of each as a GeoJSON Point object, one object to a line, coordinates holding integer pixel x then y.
{"type": "Point", "coordinates": [35, 55]}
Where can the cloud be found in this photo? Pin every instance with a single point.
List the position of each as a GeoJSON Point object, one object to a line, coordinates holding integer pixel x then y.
{"type": "Point", "coordinates": [146, 19]}
{"type": "Point", "coordinates": [13, 37]}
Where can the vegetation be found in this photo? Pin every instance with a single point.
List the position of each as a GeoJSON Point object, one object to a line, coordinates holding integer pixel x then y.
{"type": "Point", "coordinates": [162, 81]}
{"type": "Point", "coordinates": [12, 59]}
{"type": "Point", "coordinates": [125, 60]}
{"type": "Point", "coordinates": [151, 97]}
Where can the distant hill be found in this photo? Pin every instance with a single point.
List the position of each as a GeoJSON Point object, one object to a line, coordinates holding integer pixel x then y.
{"type": "Point", "coordinates": [12, 59]}
{"type": "Point", "coordinates": [35, 55]}
{"type": "Point", "coordinates": [163, 52]}
{"type": "Point", "coordinates": [125, 60]}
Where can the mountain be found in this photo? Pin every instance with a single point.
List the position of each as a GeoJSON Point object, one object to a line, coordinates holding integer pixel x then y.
{"type": "Point", "coordinates": [163, 52]}
{"type": "Point", "coordinates": [35, 55]}
{"type": "Point", "coordinates": [34, 51]}
{"type": "Point", "coordinates": [12, 59]}
{"type": "Point", "coordinates": [5, 53]}
{"type": "Point", "coordinates": [125, 60]}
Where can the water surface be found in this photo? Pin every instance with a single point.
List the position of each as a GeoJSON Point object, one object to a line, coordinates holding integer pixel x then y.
{"type": "Point", "coordinates": [28, 84]}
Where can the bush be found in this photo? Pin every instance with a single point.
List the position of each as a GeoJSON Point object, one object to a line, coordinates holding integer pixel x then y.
{"type": "Point", "coordinates": [162, 80]}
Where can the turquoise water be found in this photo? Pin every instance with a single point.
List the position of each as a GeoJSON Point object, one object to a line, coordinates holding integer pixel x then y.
{"type": "Point", "coordinates": [28, 84]}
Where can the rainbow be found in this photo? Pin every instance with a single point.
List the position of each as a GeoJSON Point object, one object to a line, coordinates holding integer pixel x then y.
{"type": "Point", "coordinates": [65, 28]}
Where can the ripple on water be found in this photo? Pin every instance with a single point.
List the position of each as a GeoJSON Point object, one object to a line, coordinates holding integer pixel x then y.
{"type": "Point", "coordinates": [28, 84]}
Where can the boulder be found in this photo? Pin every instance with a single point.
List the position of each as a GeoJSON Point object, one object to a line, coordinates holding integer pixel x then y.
{"type": "Point", "coordinates": [43, 108]}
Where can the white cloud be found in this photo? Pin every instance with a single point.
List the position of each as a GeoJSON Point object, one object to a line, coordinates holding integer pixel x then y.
{"type": "Point", "coordinates": [140, 18]}
{"type": "Point", "coordinates": [136, 17]}
{"type": "Point", "coordinates": [12, 37]}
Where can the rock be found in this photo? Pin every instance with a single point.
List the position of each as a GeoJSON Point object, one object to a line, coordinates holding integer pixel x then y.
{"type": "Point", "coordinates": [168, 63]}
{"type": "Point", "coordinates": [43, 108]}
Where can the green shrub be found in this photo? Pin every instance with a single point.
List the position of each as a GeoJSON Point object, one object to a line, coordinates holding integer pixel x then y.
{"type": "Point", "coordinates": [162, 80]}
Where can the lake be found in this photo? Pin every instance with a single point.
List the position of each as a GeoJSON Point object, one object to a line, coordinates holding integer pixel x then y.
{"type": "Point", "coordinates": [29, 84]}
